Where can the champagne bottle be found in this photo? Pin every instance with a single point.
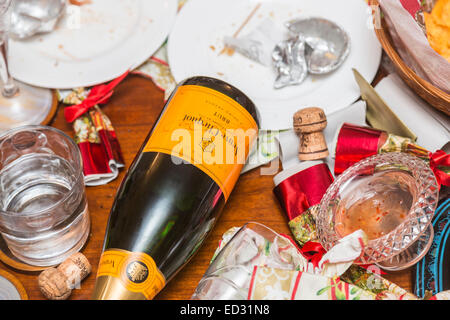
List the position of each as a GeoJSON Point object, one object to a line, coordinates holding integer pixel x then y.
{"type": "Point", "coordinates": [175, 188]}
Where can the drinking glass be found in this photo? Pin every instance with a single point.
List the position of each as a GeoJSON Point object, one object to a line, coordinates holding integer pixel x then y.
{"type": "Point", "coordinates": [44, 215]}
{"type": "Point", "coordinates": [229, 275]}
{"type": "Point", "coordinates": [21, 104]}
{"type": "Point", "coordinates": [392, 197]}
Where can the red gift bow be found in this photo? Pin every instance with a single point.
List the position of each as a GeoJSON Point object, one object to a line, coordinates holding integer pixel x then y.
{"type": "Point", "coordinates": [99, 95]}
{"type": "Point", "coordinates": [314, 251]}
{"type": "Point", "coordinates": [437, 159]}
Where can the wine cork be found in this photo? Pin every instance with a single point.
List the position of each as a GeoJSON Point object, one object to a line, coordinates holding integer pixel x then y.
{"type": "Point", "coordinates": [308, 125]}
{"type": "Point", "coordinates": [57, 283]}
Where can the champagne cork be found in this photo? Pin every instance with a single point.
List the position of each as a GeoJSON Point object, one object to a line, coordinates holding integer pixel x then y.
{"type": "Point", "coordinates": [57, 283]}
{"type": "Point", "coordinates": [308, 125]}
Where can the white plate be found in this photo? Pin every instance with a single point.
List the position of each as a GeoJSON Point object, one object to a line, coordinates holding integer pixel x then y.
{"type": "Point", "coordinates": [197, 38]}
{"type": "Point", "coordinates": [93, 43]}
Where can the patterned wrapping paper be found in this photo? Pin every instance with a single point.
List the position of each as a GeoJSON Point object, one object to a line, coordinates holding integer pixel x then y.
{"type": "Point", "coordinates": [303, 227]}
{"type": "Point", "coordinates": [325, 282]}
{"type": "Point", "coordinates": [278, 284]}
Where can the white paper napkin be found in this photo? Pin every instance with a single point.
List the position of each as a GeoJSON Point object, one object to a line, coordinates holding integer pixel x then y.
{"type": "Point", "coordinates": [430, 125]}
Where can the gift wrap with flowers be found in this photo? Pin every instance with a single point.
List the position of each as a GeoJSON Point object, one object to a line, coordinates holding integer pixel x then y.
{"type": "Point", "coordinates": [287, 274]}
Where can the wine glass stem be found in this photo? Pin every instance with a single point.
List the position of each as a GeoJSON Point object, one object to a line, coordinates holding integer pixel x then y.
{"type": "Point", "coordinates": [10, 87]}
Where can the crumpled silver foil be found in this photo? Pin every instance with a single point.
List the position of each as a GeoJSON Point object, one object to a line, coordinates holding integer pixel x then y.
{"type": "Point", "coordinates": [311, 45]}
{"type": "Point", "coordinates": [327, 44]}
{"type": "Point", "coordinates": [289, 62]}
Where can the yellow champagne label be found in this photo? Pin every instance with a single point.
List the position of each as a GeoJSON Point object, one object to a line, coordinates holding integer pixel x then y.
{"type": "Point", "coordinates": [135, 272]}
{"type": "Point", "coordinates": [207, 129]}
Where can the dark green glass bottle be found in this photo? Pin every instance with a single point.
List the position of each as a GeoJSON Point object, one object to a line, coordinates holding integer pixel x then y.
{"type": "Point", "coordinates": [168, 202]}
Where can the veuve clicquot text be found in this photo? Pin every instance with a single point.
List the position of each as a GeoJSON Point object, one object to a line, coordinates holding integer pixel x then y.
{"type": "Point", "coordinates": [175, 188]}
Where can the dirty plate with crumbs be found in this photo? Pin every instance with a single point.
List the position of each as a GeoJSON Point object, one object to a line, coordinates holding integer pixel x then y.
{"type": "Point", "coordinates": [94, 42]}
{"type": "Point", "coordinates": [196, 46]}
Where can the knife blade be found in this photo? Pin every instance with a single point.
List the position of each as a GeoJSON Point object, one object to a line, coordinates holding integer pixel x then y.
{"type": "Point", "coordinates": [378, 114]}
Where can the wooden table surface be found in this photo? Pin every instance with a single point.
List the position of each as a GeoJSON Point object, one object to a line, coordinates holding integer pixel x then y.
{"type": "Point", "coordinates": [133, 109]}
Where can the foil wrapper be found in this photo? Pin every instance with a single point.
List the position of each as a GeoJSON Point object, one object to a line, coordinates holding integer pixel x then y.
{"type": "Point", "coordinates": [312, 45]}
{"type": "Point", "coordinates": [326, 44]}
{"type": "Point", "coordinates": [318, 47]}
{"type": "Point", "coordinates": [289, 62]}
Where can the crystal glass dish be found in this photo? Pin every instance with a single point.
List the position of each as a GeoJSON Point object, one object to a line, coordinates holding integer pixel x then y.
{"type": "Point", "coordinates": [392, 197]}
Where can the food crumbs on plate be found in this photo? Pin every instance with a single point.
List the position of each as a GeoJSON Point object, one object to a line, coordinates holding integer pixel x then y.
{"type": "Point", "coordinates": [60, 46]}
{"type": "Point", "coordinates": [220, 73]}
{"type": "Point", "coordinates": [330, 55]}
{"type": "Point", "coordinates": [438, 28]}
{"type": "Point", "coordinates": [79, 2]}
{"type": "Point", "coordinates": [271, 14]}
{"type": "Point", "coordinates": [212, 48]}
{"type": "Point", "coordinates": [227, 50]}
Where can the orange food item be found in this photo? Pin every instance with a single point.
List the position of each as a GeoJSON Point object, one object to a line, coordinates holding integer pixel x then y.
{"type": "Point", "coordinates": [438, 28]}
{"type": "Point", "coordinates": [79, 2]}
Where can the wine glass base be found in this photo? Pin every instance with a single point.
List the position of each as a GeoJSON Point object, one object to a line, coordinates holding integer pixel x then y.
{"type": "Point", "coordinates": [411, 255]}
{"type": "Point", "coordinates": [29, 106]}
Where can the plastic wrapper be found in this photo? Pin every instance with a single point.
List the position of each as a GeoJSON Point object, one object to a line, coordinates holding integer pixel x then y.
{"type": "Point", "coordinates": [258, 44]}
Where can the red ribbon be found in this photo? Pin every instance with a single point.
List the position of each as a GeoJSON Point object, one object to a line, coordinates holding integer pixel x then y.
{"type": "Point", "coordinates": [99, 95]}
{"type": "Point", "coordinates": [304, 189]}
{"type": "Point", "coordinates": [313, 252]}
{"type": "Point", "coordinates": [440, 159]}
